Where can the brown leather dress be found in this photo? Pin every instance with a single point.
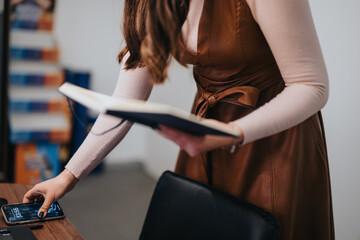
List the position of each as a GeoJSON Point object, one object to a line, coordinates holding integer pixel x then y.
{"type": "Point", "coordinates": [286, 173]}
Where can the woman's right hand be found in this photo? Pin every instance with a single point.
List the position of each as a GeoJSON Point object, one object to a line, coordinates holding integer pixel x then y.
{"type": "Point", "coordinates": [51, 190]}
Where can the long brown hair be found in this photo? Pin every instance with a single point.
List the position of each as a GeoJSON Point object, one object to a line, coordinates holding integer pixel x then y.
{"type": "Point", "coordinates": [151, 29]}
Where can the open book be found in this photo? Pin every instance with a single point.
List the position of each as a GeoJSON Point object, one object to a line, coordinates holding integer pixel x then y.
{"type": "Point", "coordinates": [143, 112]}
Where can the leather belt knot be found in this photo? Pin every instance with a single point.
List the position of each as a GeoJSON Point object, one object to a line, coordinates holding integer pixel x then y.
{"type": "Point", "coordinates": [210, 98]}
{"type": "Point", "coordinates": [245, 96]}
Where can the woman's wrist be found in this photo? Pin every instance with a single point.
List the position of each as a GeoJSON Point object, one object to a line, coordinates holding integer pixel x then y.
{"type": "Point", "coordinates": [239, 131]}
{"type": "Point", "coordinates": [237, 141]}
{"type": "Point", "coordinates": [68, 178]}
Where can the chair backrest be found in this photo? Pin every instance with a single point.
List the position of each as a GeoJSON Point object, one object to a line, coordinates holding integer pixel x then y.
{"type": "Point", "coordinates": [185, 209]}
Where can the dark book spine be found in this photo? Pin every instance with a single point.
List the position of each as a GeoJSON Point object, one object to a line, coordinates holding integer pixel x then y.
{"type": "Point", "coordinates": [47, 80]}
{"type": "Point", "coordinates": [34, 54]}
{"type": "Point", "coordinates": [81, 79]}
{"type": "Point", "coordinates": [24, 25]}
{"type": "Point", "coordinates": [31, 25]}
{"type": "Point", "coordinates": [17, 106]}
{"type": "Point", "coordinates": [53, 136]}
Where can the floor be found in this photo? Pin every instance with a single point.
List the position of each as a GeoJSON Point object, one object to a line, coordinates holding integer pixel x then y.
{"type": "Point", "coordinates": [112, 204]}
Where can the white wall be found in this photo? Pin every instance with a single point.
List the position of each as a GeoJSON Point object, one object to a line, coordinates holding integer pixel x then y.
{"type": "Point", "coordinates": [337, 24]}
{"type": "Point", "coordinates": [90, 38]}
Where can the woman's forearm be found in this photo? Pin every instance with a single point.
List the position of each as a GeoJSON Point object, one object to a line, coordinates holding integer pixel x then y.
{"type": "Point", "coordinates": [132, 84]}
{"type": "Point", "coordinates": [290, 32]}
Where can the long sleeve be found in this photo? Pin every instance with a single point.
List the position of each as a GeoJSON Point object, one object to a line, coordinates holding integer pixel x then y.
{"type": "Point", "coordinates": [289, 29]}
{"type": "Point", "coordinates": [134, 84]}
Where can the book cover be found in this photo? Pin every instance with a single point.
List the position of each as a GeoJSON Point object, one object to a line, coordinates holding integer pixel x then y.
{"type": "Point", "coordinates": [146, 113]}
{"type": "Point", "coordinates": [32, 14]}
{"type": "Point", "coordinates": [82, 79]}
{"type": "Point", "coordinates": [36, 162]}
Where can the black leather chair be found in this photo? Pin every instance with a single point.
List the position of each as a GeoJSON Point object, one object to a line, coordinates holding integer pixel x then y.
{"type": "Point", "coordinates": [183, 209]}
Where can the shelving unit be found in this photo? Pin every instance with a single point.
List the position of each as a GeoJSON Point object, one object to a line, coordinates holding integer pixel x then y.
{"type": "Point", "coordinates": [40, 122]}
{"type": "Point", "coordinates": [5, 162]}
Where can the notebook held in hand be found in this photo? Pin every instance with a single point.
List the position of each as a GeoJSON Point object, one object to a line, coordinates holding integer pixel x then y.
{"type": "Point", "coordinates": [146, 113]}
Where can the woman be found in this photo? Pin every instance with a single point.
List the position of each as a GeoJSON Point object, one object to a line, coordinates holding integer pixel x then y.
{"type": "Point", "coordinates": [260, 71]}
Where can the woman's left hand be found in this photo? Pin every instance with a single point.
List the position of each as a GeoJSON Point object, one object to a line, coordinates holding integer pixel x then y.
{"type": "Point", "coordinates": [194, 144]}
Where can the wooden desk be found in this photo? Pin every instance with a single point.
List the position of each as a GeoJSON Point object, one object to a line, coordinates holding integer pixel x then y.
{"type": "Point", "coordinates": [56, 229]}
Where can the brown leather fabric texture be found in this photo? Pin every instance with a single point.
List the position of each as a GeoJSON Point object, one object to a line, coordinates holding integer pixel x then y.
{"type": "Point", "coordinates": [287, 173]}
